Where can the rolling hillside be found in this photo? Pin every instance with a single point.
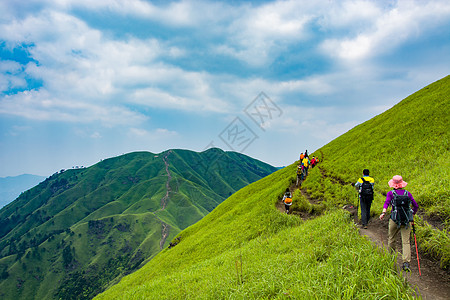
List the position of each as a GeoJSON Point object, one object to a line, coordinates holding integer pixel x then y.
{"type": "Point", "coordinates": [81, 229]}
{"type": "Point", "coordinates": [247, 249]}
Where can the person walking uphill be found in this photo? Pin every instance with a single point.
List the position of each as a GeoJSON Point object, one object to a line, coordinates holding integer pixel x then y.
{"type": "Point", "coordinates": [287, 200]}
{"type": "Point", "coordinates": [401, 215]}
{"type": "Point", "coordinates": [364, 185]}
{"type": "Point", "coordinates": [305, 163]}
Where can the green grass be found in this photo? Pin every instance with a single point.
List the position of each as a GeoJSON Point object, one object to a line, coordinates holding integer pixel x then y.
{"type": "Point", "coordinates": [121, 199]}
{"type": "Point", "coordinates": [246, 249]}
{"type": "Point", "coordinates": [411, 140]}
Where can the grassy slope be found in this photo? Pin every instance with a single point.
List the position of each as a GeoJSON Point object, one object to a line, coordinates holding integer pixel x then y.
{"type": "Point", "coordinates": [411, 139]}
{"type": "Point", "coordinates": [108, 216]}
{"type": "Point", "coordinates": [245, 248]}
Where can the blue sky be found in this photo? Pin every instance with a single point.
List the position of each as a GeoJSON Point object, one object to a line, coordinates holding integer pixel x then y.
{"type": "Point", "coordinates": [83, 80]}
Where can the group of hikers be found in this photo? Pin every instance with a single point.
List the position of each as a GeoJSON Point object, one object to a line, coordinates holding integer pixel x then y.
{"type": "Point", "coordinates": [302, 171]}
{"type": "Point", "coordinates": [404, 207]}
{"type": "Point", "coordinates": [402, 202]}
{"type": "Point", "coordinates": [304, 164]}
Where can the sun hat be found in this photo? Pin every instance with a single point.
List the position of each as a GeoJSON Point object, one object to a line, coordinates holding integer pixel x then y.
{"type": "Point", "coordinates": [397, 182]}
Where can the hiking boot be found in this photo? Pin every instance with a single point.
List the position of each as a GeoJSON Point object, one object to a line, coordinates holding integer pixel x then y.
{"type": "Point", "coordinates": [406, 267]}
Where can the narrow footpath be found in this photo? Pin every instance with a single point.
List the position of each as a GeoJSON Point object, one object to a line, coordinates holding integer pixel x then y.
{"type": "Point", "coordinates": [165, 228]}
{"type": "Point", "coordinates": [432, 284]}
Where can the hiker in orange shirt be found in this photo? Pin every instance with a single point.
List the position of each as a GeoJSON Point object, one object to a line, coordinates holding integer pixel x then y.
{"type": "Point", "coordinates": [302, 156]}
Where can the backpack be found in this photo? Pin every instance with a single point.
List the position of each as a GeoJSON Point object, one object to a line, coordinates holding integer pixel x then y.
{"type": "Point", "coordinates": [401, 209]}
{"type": "Point", "coordinates": [287, 198]}
{"type": "Point", "coordinates": [366, 190]}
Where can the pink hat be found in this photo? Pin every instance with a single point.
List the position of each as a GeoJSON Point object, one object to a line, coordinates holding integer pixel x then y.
{"type": "Point", "coordinates": [397, 182]}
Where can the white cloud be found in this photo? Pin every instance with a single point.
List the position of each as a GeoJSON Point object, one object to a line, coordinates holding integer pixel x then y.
{"type": "Point", "coordinates": [348, 14]}
{"type": "Point", "coordinates": [96, 135]}
{"type": "Point", "coordinates": [151, 134]}
{"type": "Point", "coordinates": [88, 76]}
{"type": "Point", "coordinates": [258, 34]}
{"type": "Point", "coordinates": [388, 30]}
{"type": "Point", "coordinates": [78, 64]}
{"type": "Point", "coordinates": [172, 13]}
{"type": "Point", "coordinates": [18, 129]}
{"type": "Point", "coordinates": [10, 76]}
{"type": "Point", "coordinates": [40, 105]}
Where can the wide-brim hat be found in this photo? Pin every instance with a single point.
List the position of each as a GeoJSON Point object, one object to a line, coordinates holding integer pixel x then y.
{"type": "Point", "coordinates": [397, 182]}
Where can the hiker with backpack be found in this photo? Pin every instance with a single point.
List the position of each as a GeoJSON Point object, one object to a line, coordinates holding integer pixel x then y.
{"type": "Point", "coordinates": [305, 163]}
{"type": "Point", "coordinates": [287, 200]}
{"type": "Point", "coordinates": [313, 162]}
{"type": "Point", "coordinates": [401, 215]}
{"type": "Point", "coordinates": [364, 185]}
{"type": "Point", "coordinates": [302, 156]}
{"type": "Point", "coordinates": [299, 174]}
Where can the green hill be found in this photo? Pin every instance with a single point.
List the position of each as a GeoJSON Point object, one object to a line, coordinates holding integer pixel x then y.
{"type": "Point", "coordinates": [81, 229]}
{"type": "Point", "coordinates": [247, 249]}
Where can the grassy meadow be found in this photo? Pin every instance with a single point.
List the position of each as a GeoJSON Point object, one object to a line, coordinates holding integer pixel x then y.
{"type": "Point", "coordinates": [247, 249]}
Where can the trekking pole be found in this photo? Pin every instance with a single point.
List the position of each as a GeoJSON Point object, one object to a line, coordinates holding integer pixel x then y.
{"type": "Point", "coordinates": [415, 241]}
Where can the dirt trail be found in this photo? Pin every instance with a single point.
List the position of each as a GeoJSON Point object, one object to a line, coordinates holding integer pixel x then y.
{"type": "Point", "coordinates": [434, 282]}
{"type": "Point", "coordinates": [169, 177]}
{"type": "Point", "coordinates": [165, 227]}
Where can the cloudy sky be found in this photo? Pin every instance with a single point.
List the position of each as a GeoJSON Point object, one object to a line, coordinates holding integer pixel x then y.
{"type": "Point", "coordinates": [84, 80]}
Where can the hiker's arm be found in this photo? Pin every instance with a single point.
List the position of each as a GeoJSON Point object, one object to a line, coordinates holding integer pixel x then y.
{"type": "Point", "coordinates": [414, 203]}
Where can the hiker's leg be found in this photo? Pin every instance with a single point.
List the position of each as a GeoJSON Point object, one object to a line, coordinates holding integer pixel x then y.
{"type": "Point", "coordinates": [368, 205]}
{"type": "Point", "coordinates": [363, 205]}
{"type": "Point", "coordinates": [393, 229]}
{"type": "Point", "coordinates": [406, 246]}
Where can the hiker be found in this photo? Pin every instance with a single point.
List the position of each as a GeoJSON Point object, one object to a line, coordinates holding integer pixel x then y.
{"type": "Point", "coordinates": [401, 215]}
{"type": "Point", "coordinates": [313, 162]}
{"type": "Point", "coordinates": [305, 163]}
{"type": "Point", "coordinates": [302, 156]}
{"type": "Point", "coordinates": [287, 200]}
{"type": "Point", "coordinates": [306, 153]}
{"type": "Point", "coordinates": [364, 185]}
{"type": "Point", "coordinates": [299, 174]}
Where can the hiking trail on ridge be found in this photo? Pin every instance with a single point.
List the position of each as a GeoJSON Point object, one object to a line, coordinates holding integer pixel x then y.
{"type": "Point", "coordinates": [432, 284]}
{"type": "Point", "coordinates": [165, 228]}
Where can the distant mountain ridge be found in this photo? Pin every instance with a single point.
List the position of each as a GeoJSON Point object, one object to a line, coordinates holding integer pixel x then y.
{"type": "Point", "coordinates": [83, 228]}
{"type": "Point", "coordinates": [12, 186]}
